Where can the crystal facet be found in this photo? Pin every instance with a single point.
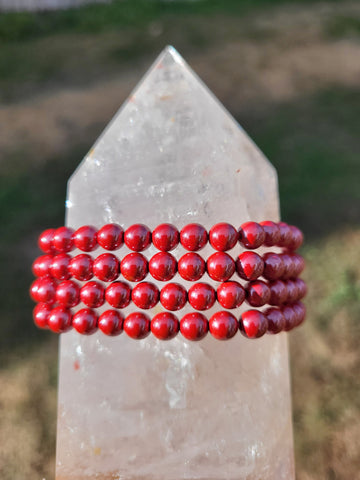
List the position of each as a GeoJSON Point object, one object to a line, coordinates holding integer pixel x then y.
{"type": "Point", "coordinates": [170, 410]}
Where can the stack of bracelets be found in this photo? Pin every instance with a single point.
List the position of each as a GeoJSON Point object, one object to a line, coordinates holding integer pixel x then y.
{"type": "Point", "coordinates": [281, 289]}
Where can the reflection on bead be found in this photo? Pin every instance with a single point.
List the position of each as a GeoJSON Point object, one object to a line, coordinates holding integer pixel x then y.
{"type": "Point", "coordinates": [272, 233]}
{"type": "Point", "coordinates": [137, 325]}
{"type": "Point", "coordinates": [274, 267]}
{"type": "Point", "coordinates": [191, 267]}
{"type": "Point", "coordinates": [45, 241]}
{"type": "Point", "coordinates": [59, 267]}
{"type": "Point", "coordinates": [41, 266]}
{"type": "Point", "coordinates": [134, 267]}
{"type": "Point", "coordinates": [165, 237]}
{"type": "Point", "coordinates": [251, 235]}
{"type": "Point", "coordinates": [145, 295]}
{"type": "Point", "coordinates": [201, 296]}
{"type": "Point", "coordinates": [92, 294]}
{"type": "Point", "coordinates": [85, 238]}
{"type": "Point", "coordinates": [253, 324]}
{"type": "Point", "coordinates": [165, 326]}
{"type": "Point", "coordinates": [118, 294]}
{"type": "Point", "coordinates": [41, 314]}
{"type": "Point", "coordinates": [300, 312]}
{"type": "Point", "coordinates": [223, 237]}
{"type": "Point", "coordinates": [290, 317]}
{"type": "Point", "coordinates": [257, 293]}
{"type": "Point", "coordinates": [292, 291]}
{"type": "Point", "coordinates": [63, 239]}
{"type": "Point", "coordinates": [194, 326]}
{"type": "Point", "coordinates": [111, 323]}
{"type": "Point", "coordinates": [289, 266]}
{"type": "Point", "coordinates": [173, 296]}
{"type": "Point", "coordinates": [85, 321]}
{"type": "Point", "coordinates": [106, 267]}
{"type": "Point", "coordinates": [110, 236]}
{"type": "Point", "coordinates": [301, 286]}
{"type": "Point", "coordinates": [220, 266]}
{"type": "Point", "coordinates": [81, 267]}
{"type": "Point", "coordinates": [162, 266]}
{"type": "Point", "coordinates": [276, 320]}
{"type": "Point", "coordinates": [278, 293]}
{"type": "Point", "coordinates": [249, 265]}
{"type": "Point", "coordinates": [230, 295]}
{"type": "Point", "coordinates": [193, 237]}
{"type": "Point", "coordinates": [285, 234]}
{"type": "Point", "coordinates": [68, 294]}
{"type": "Point", "coordinates": [43, 290]}
{"type": "Point", "coordinates": [137, 237]}
{"type": "Point", "coordinates": [223, 325]}
{"type": "Point", "coordinates": [59, 320]}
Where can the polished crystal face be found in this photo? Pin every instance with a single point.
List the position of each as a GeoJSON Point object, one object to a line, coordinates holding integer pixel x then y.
{"type": "Point", "coordinates": [156, 410]}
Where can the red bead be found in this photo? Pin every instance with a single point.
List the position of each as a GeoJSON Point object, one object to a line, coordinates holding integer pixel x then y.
{"type": "Point", "coordinates": [201, 296]}
{"type": "Point", "coordinates": [41, 265]}
{"type": "Point", "coordinates": [274, 267]}
{"type": "Point", "coordinates": [194, 326]}
{"type": "Point", "coordinates": [92, 294]}
{"type": "Point", "coordinates": [276, 320]}
{"type": "Point", "coordinates": [220, 266]}
{"type": "Point", "coordinates": [298, 264]}
{"type": "Point", "coordinates": [162, 266]}
{"type": "Point", "coordinates": [59, 267]}
{"type": "Point", "coordinates": [223, 325]}
{"type": "Point", "coordinates": [63, 239]}
{"type": "Point", "coordinates": [223, 237]}
{"type": "Point", "coordinates": [45, 241]}
{"type": "Point", "coordinates": [290, 317]}
{"type": "Point", "coordinates": [230, 295]}
{"type": "Point", "coordinates": [145, 295]}
{"type": "Point", "coordinates": [43, 290]}
{"type": "Point", "coordinates": [272, 233]}
{"type": "Point", "coordinates": [106, 267]}
{"type": "Point", "coordinates": [193, 237]}
{"type": "Point", "coordinates": [111, 323]}
{"type": "Point", "coordinates": [134, 267]}
{"type": "Point", "coordinates": [300, 312]}
{"type": "Point", "coordinates": [257, 293]}
{"type": "Point", "coordinates": [137, 237]}
{"type": "Point", "coordinates": [302, 288]}
{"type": "Point", "coordinates": [289, 265]}
{"type": "Point", "coordinates": [249, 265]}
{"type": "Point", "coordinates": [251, 235]}
{"type": "Point", "coordinates": [118, 294]}
{"type": "Point", "coordinates": [68, 293]}
{"type": "Point", "coordinates": [292, 291]}
{"type": "Point", "coordinates": [85, 321]}
{"type": "Point", "coordinates": [285, 234]}
{"type": "Point", "coordinates": [81, 267]}
{"type": "Point", "coordinates": [297, 238]}
{"type": "Point", "coordinates": [137, 325]}
{"type": "Point", "coordinates": [173, 296]}
{"type": "Point", "coordinates": [253, 324]}
{"type": "Point", "coordinates": [110, 236]}
{"type": "Point", "coordinates": [59, 320]}
{"type": "Point", "coordinates": [191, 267]}
{"type": "Point", "coordinates": [165, 237]}
{"type": "Point", "coordinates": [278, 292]}
{"type": "Point", "coordinates": [165, 326]}
{"type": "Point", "coordinates": [41, 314]}
{"type": "Point", "coordinates": [85, 238]}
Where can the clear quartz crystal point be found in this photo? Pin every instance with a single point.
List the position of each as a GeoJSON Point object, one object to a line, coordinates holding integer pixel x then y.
{"type": "Point", "coordinates": [173, 410]}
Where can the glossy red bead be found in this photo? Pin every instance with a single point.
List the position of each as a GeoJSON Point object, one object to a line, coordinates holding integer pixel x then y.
{"type": "Point", "coordinates": [201, 296]}
{"type": "Point", "coordinates": [249, 265]}
{"type": "Point", "coordinates": [193, 237]}
{"type": "Point", "coordinates": [285, 234]}
{"type": "Point", "coordinates": [68, 294]}
{"type": "Point", "coordinates": [162, 266]}
{"type": "Point", "coordinates": [59, 267]}
{"type": "Point", "coordinates": [111, 323]}
{"type": "Point", "coordinates": [276, 320]}
{"type": "Point", "coordinates": [292, 291]}
{"type": "Point", "coordinates": [81, 267]}
{"type": "Point", "coordinates": [165, 326]}
{"type": "Point", "coordinates": [194, 326]}
{"type": "Point", "coordinates": [173, 296]}
{"type": "Point", "coordinates": [85, 238]}
{"type": "Point", "coordinates": [296, 238]}
{"type": "Point", "coordinates": [230, 295]}
{"type": "Point", "coordinates": [223, 237]}
{"type": "Point", "coordinates": [118, 294]}
{"type": "Point", "coordinates": [274, 267]}
{"type": "Point", "coordinates": [223, 325]}
{"type": "Point", "coordinates": [137, 237]}
{"type": "Point", "coordinates": [302, 288]}
{"type": "Point", "coordinates": [45, 241]}
{"type": "Point", "coordinates": [300, 312]}
{"type": "Point", "coordinates": [251, 235]}
{"type": "Point", "coordinates": [145, 295]}
{"type": "Point", "coordinates": [92, 294]}
{"type": "Point", "coordinates": [43, 290]}
{"type": "Point", "coordinates": [289, 266]}
{"type": "Point", "coordinates": [272, 233]}
{"type": "Point", "coordinates": [106, 267]}
{"type": "Point", "coordinates": [191, 266]}
{"type": "Point", "coordinates": [134, 267]}
{"type": "Point", "coordinates": [41, 314]}
{"type": "Point", "coordinates": [253, 324]}
{"type": "Point", "coordinates": [85, 321]}
{"type": "Point", "coordinates": [137, 325]}
{"type": "Point", "coordinates": [41, 265]}
{"type": "Point", "coordinates": [63, 239]}
{"type": "Point", "coordinates": [220, 266]}
{"type": "Point", "coordinates": [110, 236]}
{"type": "Point", "coordinates": [165, 237]}
{"type": "Point", "coordinates": [278, 293]}
{"type": "Point", "coordinates": [298, 264]}
{"type": "Point", "coordinates": [257, 293]}
{"type": "Point", "coordinates": [290, 317]}
{"type": "Point", "coordinates": [59, 320]}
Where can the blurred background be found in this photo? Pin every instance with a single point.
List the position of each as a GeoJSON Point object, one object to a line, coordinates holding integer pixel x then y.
{"type": "Point", "coordinates": [289, 72]}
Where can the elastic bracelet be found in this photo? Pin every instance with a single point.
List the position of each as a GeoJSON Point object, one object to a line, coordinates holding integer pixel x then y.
{"type": "Point", "coordinates": [194, 326]}
{"type": "Point", "coordinates": [163, 266]}
{"type": "Point", "coordinates": [166, 237]}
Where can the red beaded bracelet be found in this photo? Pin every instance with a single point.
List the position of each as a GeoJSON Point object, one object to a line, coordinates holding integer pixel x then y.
{"type": "Point", "coordinates": [194, 326]}
{"type": "Point", "coordinates": [166, 237]}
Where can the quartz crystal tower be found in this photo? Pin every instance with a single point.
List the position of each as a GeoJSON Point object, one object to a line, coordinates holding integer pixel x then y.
{"type": "Point", "coordinates": [152, 410]}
